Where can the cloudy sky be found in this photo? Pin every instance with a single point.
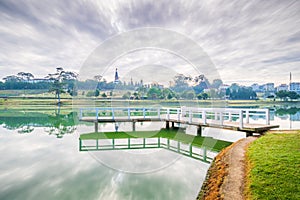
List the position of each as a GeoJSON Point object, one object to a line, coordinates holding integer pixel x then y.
{"type": "Point", "coordinates": [247, 40]}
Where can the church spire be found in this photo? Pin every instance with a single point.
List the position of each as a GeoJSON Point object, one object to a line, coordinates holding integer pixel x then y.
{"type": "Point", "coordinates": [116, 76]}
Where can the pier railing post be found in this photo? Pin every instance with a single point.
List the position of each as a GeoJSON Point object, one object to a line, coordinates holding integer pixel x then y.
{"type": "Point", "coordinates": [112, 113]}
{"type": "Point", "coordinates": [97, 113]}
{"type": "Point", "coordinates": [216, 115]}
{"type": "Point", "coordinates": [178, 114]}
{"type": "Point", "coordinates": [241, 118]}
{"type": "Point", "coordinates": [168, 113]}
{"type": "Point", "coordinates": [144, 113]}
{"type": "Point", "coordinates": [221, 118]}
{"type": "Point", "coordinates": [128, 113]}
{"type": "Point", "coordinates": [80, 113]}
{"type": "Point", "coordinates": [190, 116]}
{"type": "Point", "coordinates": [158, 113]}
{"type": "Point", "coordinates": [247, 116]}
{"type": "Point", "coordinates": [230, 116]}
{"type": "Point", "coordinates": [267, 117]}
{"type": "Point", "coordinates": [204, 117]}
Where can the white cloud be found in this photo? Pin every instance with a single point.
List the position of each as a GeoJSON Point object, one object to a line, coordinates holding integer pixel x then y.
{"type": "Point", "coordinates": [246, 40]}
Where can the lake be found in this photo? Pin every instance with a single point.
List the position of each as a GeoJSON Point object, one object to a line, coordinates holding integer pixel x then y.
{"type": "Point", "coordinates": [46, 153]}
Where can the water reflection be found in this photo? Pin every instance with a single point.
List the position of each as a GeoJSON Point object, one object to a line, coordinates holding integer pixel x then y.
{"type": "Point", "coordinates": [35, 165]}
{"type": "Point", "coordinates": [134, 152]}
{"type": "Point", "coordinates": [25, 121]}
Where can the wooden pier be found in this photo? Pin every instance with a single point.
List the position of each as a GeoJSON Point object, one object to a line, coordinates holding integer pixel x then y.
{"type": "Point", "coordinates": [246, 120]}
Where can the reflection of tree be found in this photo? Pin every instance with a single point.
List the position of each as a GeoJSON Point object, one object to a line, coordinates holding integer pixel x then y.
{"type": "Point", "coordinates": [287, 111]}
{"type": "Point", "coordinates": [26, 129]}
{"type": "Point", "coordinates": [60, 130]}
{"type": "Point", "coordinates": [25, 122]}
{"type": "Point", "coordinates": [62, 124]}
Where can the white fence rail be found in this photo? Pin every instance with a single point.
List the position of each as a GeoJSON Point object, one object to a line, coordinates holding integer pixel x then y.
{"type": "Point", "coordinates": [184, 114]}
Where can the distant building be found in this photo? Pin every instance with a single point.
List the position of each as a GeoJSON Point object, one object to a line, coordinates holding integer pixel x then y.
{"type": "Point", "coordinates": [282, 87]}
{"type": "Point", "coordinates": [40, 80]}
{"type": "Point", "coordinates": [157, 85]}
{"type": "Point", "coordinates": [295, 87]}
{"type": "Point", "coordinates": [223, 88]}
{"type": "Point", "coordinates": [269, 87]}
{"type": "Point", "coordinates": [255, 87]}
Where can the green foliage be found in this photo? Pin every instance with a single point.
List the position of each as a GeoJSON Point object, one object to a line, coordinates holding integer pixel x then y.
{"type": "Point", "coordinates": [275, 167]}
{"type": "Point", "coordinates": [188, 94]}
{"type": "Point", "coordinates": [241, 93]}
{"type": "Point", "coordinates": [203, 96]}
{"type": "Point", "coordinates": [90, 93]}
{"type": "Point", "coordinates": [154, 93]}
{"type": "Point", "coordinates": [97, 93]}
{"type": "Point", "coordinates": [216, 83]}
{"type": "Point", "coordinates": [285, 95]}
{"type": "Point", "coordinates": [104, 95]}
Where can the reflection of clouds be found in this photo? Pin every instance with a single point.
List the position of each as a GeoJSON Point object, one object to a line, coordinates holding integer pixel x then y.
{"type": "Point", "coordinates": [38, 166]}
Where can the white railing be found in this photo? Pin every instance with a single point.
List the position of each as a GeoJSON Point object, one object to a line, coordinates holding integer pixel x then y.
{"type": "Point", "coordinates": [184, 114]}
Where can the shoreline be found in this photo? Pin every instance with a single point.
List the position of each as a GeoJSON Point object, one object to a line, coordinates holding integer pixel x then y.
{"type": "Point", "coordinates": [225, 178]}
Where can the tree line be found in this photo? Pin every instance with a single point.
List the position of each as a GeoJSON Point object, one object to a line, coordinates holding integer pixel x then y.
{"type": "Point", "coordinates": [182, 87]}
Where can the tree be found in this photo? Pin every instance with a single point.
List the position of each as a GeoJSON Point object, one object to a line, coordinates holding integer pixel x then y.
{"type": "Point", "coordinates": [188, 94]}
{"type": "Point", "coordinates": [60, 82]}
{"type": "Point", "coordinates": [216, 83]}
{"type": "Point", "coordinates": [25, 76]}
{"type": "Point", "coordinates": [154, 93]}
{"type": "Point", "coordinates": [181, 83]}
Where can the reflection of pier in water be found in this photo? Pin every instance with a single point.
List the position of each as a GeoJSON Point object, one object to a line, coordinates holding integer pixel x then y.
{"type": "Point", "coordinates": [178, 145]}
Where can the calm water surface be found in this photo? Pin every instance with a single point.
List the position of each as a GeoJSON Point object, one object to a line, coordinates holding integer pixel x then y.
{"type": "Point", "coordinates": [40, 159]}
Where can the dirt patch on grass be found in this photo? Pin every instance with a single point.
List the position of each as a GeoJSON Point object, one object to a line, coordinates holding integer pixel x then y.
{"type": "Point", "coordinates": [225, 177]}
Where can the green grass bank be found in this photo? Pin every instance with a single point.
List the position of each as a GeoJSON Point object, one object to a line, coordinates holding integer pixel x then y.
{"type": "Point", "coordinates": [273, 167]}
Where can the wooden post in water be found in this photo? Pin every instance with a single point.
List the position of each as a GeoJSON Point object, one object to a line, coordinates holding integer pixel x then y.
{"type": "Point", "coordinates": [167, 124]}
{"type": "Point", "coordinates": [173, 125]}
{"type": "Point", "coordinates": [199, 131]}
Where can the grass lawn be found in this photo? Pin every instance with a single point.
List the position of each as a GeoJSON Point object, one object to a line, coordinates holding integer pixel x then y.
{"type": "Point", "coordinates": [274, 167]}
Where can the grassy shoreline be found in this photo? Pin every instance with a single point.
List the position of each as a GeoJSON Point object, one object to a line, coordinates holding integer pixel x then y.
{"type": "Point", "coordinates": [11, 101]}
{"type": "Point", "coordinates": [273, 167]}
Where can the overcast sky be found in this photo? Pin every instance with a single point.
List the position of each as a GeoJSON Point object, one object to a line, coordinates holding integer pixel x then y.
{"type": "Point", "coordinates": [247, 40]}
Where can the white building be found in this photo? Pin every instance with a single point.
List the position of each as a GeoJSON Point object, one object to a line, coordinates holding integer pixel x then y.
{"type": "Point", "coordinates": [255, 87]}
{"type": "Point", "coordinates": [282, 87]}
{"type": "Point", "coordinates": [295, 87]}
{"type": "Point", "coordinates": [269, 87]}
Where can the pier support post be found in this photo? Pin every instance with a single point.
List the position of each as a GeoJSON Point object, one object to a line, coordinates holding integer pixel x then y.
{"type": "Point", "coordinates": [248, 134]}
{"type": "Point", "coordinates": [167, 125]}
{"type": "Point", "coordinates": [133, 126]}
{"type": "Point", "coordinates": [199, 131]}
{"type": "Point", "coordinates": [173, 125]}
{"type": "Point", "coordinates": [96, 127]}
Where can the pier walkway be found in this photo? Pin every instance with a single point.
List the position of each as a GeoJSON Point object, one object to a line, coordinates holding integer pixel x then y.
{"type": "Point", "coordinates": [246, 120]}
